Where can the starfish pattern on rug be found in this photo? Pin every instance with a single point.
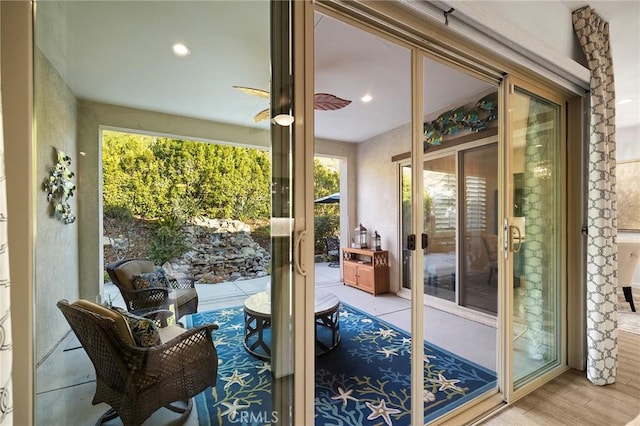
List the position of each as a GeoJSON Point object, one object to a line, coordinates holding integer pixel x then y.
{"type": "Point", "coordinates": [236, 377]}
{"type": "Point", "coordinates": [386, 333]}
{"type": "Point", "coordinates": [388, 352]}
{"type": "Point", "coordinates": [427, 358]}
{"type": "Point", "coordinates": [344, 396]}
{"type": "Point", "coordinates": [445, 383]}
{"type": "Point", "coordinates": [351, 381]}
{"type": "Point", "coordinates": [381, 410]}
{"type": "Point", "coordinates": [232, 409]}
{"type": "Point", "coordinates": [264, 367]}
{"type": "Point", "coordinates": [219, 341]}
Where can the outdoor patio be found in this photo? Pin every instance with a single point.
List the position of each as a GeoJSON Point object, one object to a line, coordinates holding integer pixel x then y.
{"type": "Point", "coordinates": [66, 378]}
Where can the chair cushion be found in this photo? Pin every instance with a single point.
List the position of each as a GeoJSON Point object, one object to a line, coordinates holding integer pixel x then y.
{"type": "Point", "coordinates": [121, 324]}
{"type": "Point", "coordinates": [185, 295]}
{"type": "Point", "coordinates": [143, 330]}
{"type": "Point", "coordinates": [156, 278]}
{"type": "Point", "coordinates": [169, 332]}
{"type": "Point", "coordinates": [127, 270]}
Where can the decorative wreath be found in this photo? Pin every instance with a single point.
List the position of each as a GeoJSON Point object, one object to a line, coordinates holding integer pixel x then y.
{"type": "Point", "coordinates": [59, 189]}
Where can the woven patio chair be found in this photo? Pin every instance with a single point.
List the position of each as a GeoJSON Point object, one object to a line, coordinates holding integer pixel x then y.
{"type": "Point", "coordinates": [122, 274]}
{"type": "Point", "coordinates": [136, 381]}
{"type": "Point", "coordinates": [332, 244]}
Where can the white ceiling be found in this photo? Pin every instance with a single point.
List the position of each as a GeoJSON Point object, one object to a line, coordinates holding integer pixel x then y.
{"type": "Point", "coordinates": [118, 52]}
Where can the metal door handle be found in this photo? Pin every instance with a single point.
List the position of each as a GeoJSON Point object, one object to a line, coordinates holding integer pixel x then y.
{"type": "Point", "coordinates": [515, 238]}
{"type": "Point", "coordinates": [298, 254]}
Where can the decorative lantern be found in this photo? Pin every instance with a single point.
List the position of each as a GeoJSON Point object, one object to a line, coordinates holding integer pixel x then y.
{"type": "Point", "coordinates": [361, 236]}
{"type": "Point", "coordinates": [376, 241]}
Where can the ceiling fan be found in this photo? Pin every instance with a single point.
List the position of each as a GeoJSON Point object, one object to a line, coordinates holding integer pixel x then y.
{"type": "Point", "coordinates": [321, 101]}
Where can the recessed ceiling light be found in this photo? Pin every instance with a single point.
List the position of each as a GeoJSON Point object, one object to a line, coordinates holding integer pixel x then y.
{"type": "Point", "coordinates": [625, 101]}
{"type": "Point", "coordinates": [180, 49]}
{"type": "Point", "coordinates": [366, 98]}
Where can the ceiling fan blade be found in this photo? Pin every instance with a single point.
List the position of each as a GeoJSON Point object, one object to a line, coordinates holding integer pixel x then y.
{"type": "Point", "coordinates": [328, 102]}
{"type": "Point", "coordinates": [261, 116]}
{"type": "Point", "coordinates": [251, 91]}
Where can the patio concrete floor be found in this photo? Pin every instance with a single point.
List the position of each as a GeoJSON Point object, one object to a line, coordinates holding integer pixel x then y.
{"type": "Point", "coordinates": [65, 381]}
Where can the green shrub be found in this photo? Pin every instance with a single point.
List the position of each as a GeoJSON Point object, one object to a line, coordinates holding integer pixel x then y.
{"type": "Point", "coordinates": [325, 226]}
{"type": "Point", "coordinates": [117, 212]}
{"type": "Point", "coordinates": [169, 241]}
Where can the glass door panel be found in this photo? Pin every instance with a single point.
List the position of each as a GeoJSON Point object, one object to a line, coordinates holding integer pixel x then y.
{"type": "Point", "coordinates": [479, 251]}
{"type": "Point", "coordinates": [229, 165]}
{"type": "Point", "coordinates": [534, 234]}
{"type": "Point", "coordinates": [458, 172]}
{"type": "Point", "coordinates": [352, 380]}
{"type": "Point", "coordinates": [406, 207]}
{"type": "Point", "coordinates": [440, 224]}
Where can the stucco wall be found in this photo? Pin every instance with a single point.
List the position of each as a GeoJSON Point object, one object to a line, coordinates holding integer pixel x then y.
{"type": "Point", "coordinates": [378, 192]}
{"type": "Point", "coordinates": [56, 269]}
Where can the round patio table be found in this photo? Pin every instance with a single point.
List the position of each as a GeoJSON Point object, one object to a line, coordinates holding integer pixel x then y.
{"type": "Point", "coordinates": [257, 323]}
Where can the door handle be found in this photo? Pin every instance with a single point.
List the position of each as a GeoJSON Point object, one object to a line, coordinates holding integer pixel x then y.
{"type": "Point", "coordinates": [505, 238]}
{"type": "Point", "coordinates": [298, 253]}
{"type": "Point", "coordinates": [515, 239]}
{"type": "Point", "coordinates": [411, 242]}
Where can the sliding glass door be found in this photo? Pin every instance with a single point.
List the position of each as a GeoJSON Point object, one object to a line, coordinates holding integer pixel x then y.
{"type": "Point", "coordinates": [452, 178]}
{"type": "Point", "coordinates": [533, 233]}
{"type": "Point", "coordinates": [376, 330]}
{"type": "Point", "coordinates": [220, 220]}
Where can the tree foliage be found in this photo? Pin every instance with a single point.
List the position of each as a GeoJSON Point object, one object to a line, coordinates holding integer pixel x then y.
{"type": "Point", "coordinates": [172, 181]}
{"type": "Point", "coordinates": [327, 216]}
{"type": "Point", "coordinates": [427, 205]}
{"type": "Point", "coordinates": [154, 177]}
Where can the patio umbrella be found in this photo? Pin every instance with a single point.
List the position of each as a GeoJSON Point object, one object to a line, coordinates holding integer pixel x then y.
{"type": "Point", "coordinates": [329, 199]}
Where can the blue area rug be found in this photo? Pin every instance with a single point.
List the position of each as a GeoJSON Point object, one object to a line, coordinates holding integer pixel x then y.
{"type": "Point", "coordinates": [364, 381]}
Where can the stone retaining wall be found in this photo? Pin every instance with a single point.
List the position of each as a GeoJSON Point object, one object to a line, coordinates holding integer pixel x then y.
{"type": "Point", "coordinates": [222, 250]}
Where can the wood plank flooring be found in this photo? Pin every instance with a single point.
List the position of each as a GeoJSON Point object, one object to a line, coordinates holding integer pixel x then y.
{"type": "Point", "coordinates": [571, 399]}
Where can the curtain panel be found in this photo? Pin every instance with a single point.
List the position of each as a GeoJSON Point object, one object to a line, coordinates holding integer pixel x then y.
{"type": "Point", "coordinates": [6, 361]}
{"type": "Point", "coordinates": [602, 345]}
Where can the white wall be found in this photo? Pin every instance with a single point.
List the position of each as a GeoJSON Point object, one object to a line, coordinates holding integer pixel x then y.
{"type": "Point", "coordinates": [548, 21]}
{"type": "Point", "coordinates": [628, 143]}
{"type": "Point", "coordinates": [628, 149]}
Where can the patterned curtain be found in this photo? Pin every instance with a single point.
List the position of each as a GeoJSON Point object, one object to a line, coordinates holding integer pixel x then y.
{"type": "Point", "coordinates": [6, 402]}
{"type": "Point", "coordinates": [602, 344]}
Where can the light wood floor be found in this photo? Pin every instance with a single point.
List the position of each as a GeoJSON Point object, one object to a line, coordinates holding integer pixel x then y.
{"type": "Point", "coordinates": [571, 399]}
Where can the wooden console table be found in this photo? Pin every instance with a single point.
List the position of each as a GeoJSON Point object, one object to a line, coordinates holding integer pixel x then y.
{"type": "Point", "coordinates": [366, 269]}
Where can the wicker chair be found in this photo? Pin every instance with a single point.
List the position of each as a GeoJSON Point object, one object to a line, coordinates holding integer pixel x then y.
{"type": "Point", "coordinates": [121, 274]}
{"type": "Point", "coordinates": [137, 381]}
{"type": "Point", "coordinates": [332, 244]}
